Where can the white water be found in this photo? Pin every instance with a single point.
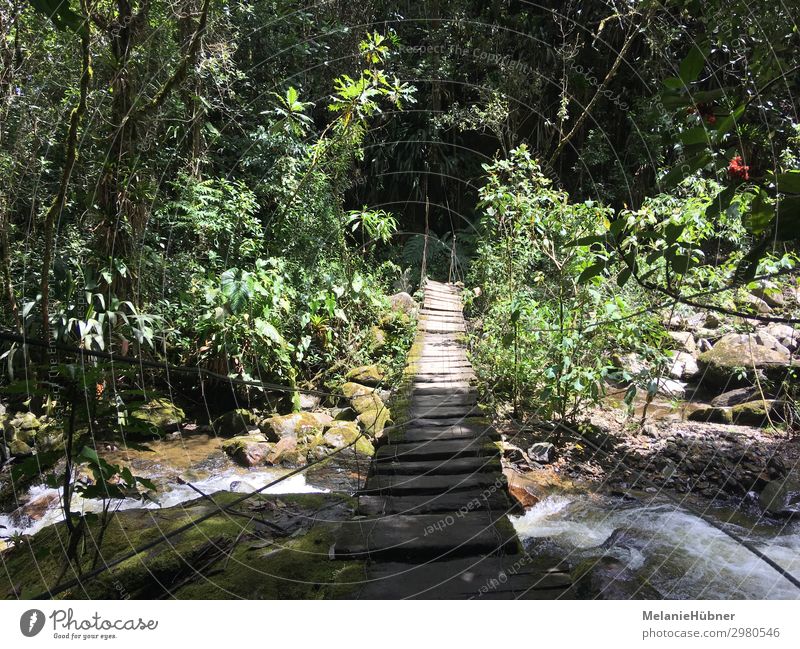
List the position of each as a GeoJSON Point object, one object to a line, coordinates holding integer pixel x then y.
{"type": "Point", "coordinates": [681, 555]}
{"type": "Point", "coordinates": [230, 480]}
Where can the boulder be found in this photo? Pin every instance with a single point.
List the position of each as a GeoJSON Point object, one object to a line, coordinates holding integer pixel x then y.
{"type": "Point", "coordinates": [297, 425]}
{"type": "Point", "coordinates": [712, 321]}
{"type": "Point", "coordinates": [309, 401]}
{"type": "Point", "coordinates": [342, 433]}
{"type": "Point", "coordinates": [367, 402]}
{"type": "Point", "coordinates": [235, 422]}
{"type": "Point", "coordinates": [756, 304]}
{"type": "Point", "coordinates": [18, 448]}
{"type": "Point", "coordinates": [785, 335]}
{"type": "Point", "coordinates": [43, 433]}
{"type": "Point", "coordinates": [159, 414]}
{"type": "Point", "coordinates": [671, 388]}
{"type": "Point", "coordinates": [683, 341]}
{"type": "Point", "coordinates": [542, 452]}
{"type": "Point", "coordinates": [286, 451]}
{"type": "Point", "coordinates": [631, 363]}
{"type": "Point", "coordinates": [734, 397]}
{"type": "Point", "coordinates": [22, 426]}
{"type": "Point", "coordinates": [377, 338]}
{"type": "Point", "coordinates": [754, 413]}
{"type": "Point", "coordinates": [734, 357]}
{"type": "Point", "coordinates": [247, 450]}
{"type": "Point", "coordinates": [683, 365]}
{"type": "Point", "coordinates": [772, 296]}
{"type": "Point", "coordinates": [351, 390]}
{"type": "Point", "coordinates": [711, 415]}
{"type": "Point", "coordinates": [403, 302]}
{"type": "Point", "coordinates": [781, 497]}
{"type": "Point", "coordinates": [366, 375]}
{"type": "Point", "coordinates": [374, 421]}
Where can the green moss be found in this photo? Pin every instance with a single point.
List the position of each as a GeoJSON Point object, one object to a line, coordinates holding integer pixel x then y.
{"type": "Point", "coordinates": [159, 414]}
{"type": "Point", "coordinates": [289, 567]}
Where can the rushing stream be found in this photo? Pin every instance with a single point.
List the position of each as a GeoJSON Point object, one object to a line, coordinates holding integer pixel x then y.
{"type": "Point", "coordinates": [678, 553]}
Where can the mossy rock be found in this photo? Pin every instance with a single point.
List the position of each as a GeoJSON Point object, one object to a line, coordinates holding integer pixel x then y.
{"type": "Point", "coordinates": [367, 402]}
{"type": "Point", "coordinates": [712, 415]}
{"type": "Point", "coordinates": [374, 421]}
{"type": "Point", "coordinates": [247, 450]}
{"type": "Point", "coordinates": [16, 447]}
{"type": "Point", "coordinates": [342, 433]}
{"type": "Point", "coordinates": [298, 425]}
{"type": "Point", "coordinates": [235, 422]}
{"type": "Point", "coordinates": [754, 413]}
{"type": "Point", "coordinates": [294, 567]}
{"type": "Point", "coordinates": [733, 359]}
{"type": "Point", "coordinates": [159, 414]}
{"type": "Point", "coordinates": [351, 390]}
{"type": "Point", "coordinates": [376, 339]}
{"type": "Point", "coordinates": [22, 426]}
{"type": "Point", "coordinates": [366, 374]}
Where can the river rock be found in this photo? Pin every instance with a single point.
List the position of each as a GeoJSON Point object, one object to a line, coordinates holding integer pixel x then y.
{"type": "Point", "coordinates": [756, 303]}
{"type": "Point", "coordinates": [374, 421]}
{"type": "Point", "coordinates": [734, 397]}
{"type": "Point", "coordinates": [367, 402]}
{"type": "Point", "coordinates": [351, 390]}
{"type": "Point", "coordinates": [22, 426]}
{"type": "Point", "coordinates": [781, 497]}
{"type": "Point", "coordinates": [34, 509]}
{"type": "Point", "coordinates": [683, 341]}
{"type": "Point", "coordinates": [297, 425]}
{"type": "Point", "coordinates": [711, 415]}
{"type": "Point", "coordinates": [732, 359]}
{"type": "Point", "coordinates": [309, 401]}
{"type": "Point", "coordinates": [159, 414]}
{"type": "Point", "coordinates": [286, 452]}
{"type": "Point", "coordinates": [754, 413]}
{"type": "Point", "coordinates": [683, 365]}
{"type": "Point", "coordinates": [366, 375]}
{"type": "Point", "coordinates": [235, 422]}
{"type": "Point", "coordinates": [403, 302]}
{"type": "Point", "coordinates": [772, 296]}
{"type": "Point", "coordinates": [247, 450]}
{"type": "Point", "coordinates": [785, 335]}
{"type": "Point", "coordinates": [342, 433]}
{"type": "Point", "coordinates": [542, 452]}
{"type": "Point", "coordinates": [376, 339]}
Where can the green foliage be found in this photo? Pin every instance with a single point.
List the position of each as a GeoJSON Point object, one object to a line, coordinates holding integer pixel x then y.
{"type": "Point", "coordinates": [546, 337]}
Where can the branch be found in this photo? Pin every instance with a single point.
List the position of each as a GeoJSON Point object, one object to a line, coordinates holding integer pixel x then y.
{"type": "Point", "coordinates": [600, 90]}
{"type": "Point", "coordinates": [180, 72]}
{"type": "Point", "coordinates": [71, 154]}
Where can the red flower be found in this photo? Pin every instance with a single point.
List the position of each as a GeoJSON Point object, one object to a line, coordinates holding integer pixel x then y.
{"type": "Point", "coordinates": [737, 168]}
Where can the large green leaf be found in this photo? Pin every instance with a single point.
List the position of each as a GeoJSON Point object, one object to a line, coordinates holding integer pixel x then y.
{"type": "Point", "coordinates": [693, 64]}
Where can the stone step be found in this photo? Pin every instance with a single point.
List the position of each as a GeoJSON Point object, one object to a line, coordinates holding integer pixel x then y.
{"type": "Point", "coordinates": [448, 466]}
{"type": "Point", "coordinates": [489, 577]}
{"type": "Point", "coordinates": [392, 485]}
{"type": "Point", "coordinates": [436, 450]}
{"type": "Point", "coordinates": [425, 537]}
{"type": "Point", "coordinates": [461, 501]}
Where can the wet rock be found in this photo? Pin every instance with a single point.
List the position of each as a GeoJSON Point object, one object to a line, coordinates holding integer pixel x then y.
{"type": "Point", "coordinates": [522, 495]}
{"type": "Point", "coordinates": [734, 397]}
{"type": "Point", "coordinates": [366, 375]}
{"type": "Point", "coordinates": [781, 497]}
{"type": "Point", "coordinates": [34, 509]}
{"type": "Point", "coordinates": [607, 577]}
{"type": "Point", "coordinates": [542, 452]}
{"type": "Point", "coordinates": [235, 422]}
{"type": "Point", "coordinates": [683, 341]}
{"type": "Point", "coordinates": [247, 450]}
{"type": "Point", "coordinates": [159, 414]}
{"type": "Point", "coordinates": [286, 452]}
